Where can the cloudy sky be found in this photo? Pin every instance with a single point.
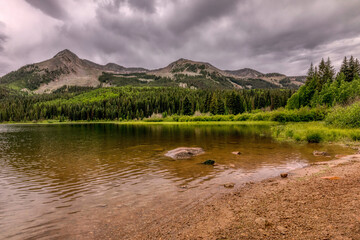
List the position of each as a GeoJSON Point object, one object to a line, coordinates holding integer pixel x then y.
{"type": "Point", "coordinates": [270, 36]}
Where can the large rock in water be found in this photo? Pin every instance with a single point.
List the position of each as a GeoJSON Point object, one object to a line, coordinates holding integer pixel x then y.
{"type": "Point", "coordinates": [184, 152]}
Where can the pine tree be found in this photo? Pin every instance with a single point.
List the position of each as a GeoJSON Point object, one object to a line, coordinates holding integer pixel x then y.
{"type": "Point", "coordinates": [326, 73]}
{"type": "Point", "coordinates": [310, 73]}
{"type": "Point", "coordinates": [231, 103]}
{"type": "Point", "coordinates": [220, 107]}
{"type": "Point", "coordinates": [213, 104]}
{"type": "Point", "coordinates": [357, 68]}
{"type": "Point", "coordinates": [322, 69]}
{"type": "Point", "coordinates": [329, 71]}
{"type": "Point", "coordinates": [352, 69]}
{"type": "Point", "coordinates": [187, 108]}
{"type": "Point", "coordinates": [239, 105]}
{"type": "Point", "coordinates": [344, 67]}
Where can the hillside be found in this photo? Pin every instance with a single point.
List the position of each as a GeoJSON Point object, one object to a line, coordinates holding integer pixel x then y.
{"type": "Point", "coordinates": [278, 80]}
{"type": "Point", "coordinates": [66, 68]}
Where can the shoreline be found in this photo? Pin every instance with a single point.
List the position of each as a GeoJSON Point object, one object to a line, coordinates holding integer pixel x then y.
{"type": "Point", "coordinates": [305, 205]}
{"type": "Point", "coordinates": [46, 122]}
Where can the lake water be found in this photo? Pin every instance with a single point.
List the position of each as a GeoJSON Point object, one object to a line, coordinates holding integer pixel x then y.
{"type": "Point", "coordinates": [63, 181]}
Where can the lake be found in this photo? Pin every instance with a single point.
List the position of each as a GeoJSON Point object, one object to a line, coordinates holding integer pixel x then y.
{"type": "Point", "coordinates": [63, 181]}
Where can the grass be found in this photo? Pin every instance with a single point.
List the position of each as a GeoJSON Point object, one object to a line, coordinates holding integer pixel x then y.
{"type": "Point", "coordinates": [314, 132]}
{"type": "Point", "coordinates": [280, 115]}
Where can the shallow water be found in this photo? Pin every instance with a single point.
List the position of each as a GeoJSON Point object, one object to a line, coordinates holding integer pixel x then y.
{"type": "Point", "coordinates": [61, 181]}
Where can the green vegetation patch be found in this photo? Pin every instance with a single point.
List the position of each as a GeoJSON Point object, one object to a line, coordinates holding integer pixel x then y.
{"type": "Point", "coordinates": [314, 132]}
{"type": "Point", "coordinates": [345, 117]}
{"type": "Point", "coordinates": [30, 77]}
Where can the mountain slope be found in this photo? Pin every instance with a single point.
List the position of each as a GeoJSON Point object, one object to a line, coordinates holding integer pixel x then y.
{"type": "Point", "coordinates": [66, 68]}
{"type": "Point", "coordinates": [246, 73]}
{"type": "Point", "coordinates": [276, 79]}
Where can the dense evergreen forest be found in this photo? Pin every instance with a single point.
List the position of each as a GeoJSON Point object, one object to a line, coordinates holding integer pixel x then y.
{"type": "Point", "coordinates": [77, 103]}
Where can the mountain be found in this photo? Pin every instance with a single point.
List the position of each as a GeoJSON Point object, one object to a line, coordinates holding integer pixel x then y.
{"type": "Point", "coordinates": [246, 73]}
{"type": "Point", "coordinates": [276, 79]}
{"type": "Point", "coordinates": [66, 68]}
{"type": "Point", "coordinates": [188, 73]}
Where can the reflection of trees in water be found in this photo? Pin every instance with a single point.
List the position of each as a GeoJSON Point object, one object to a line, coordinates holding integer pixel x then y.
{"type": "Point", "coordinates": [82, 153]}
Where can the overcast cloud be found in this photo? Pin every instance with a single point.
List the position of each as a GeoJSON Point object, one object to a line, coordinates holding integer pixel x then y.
{"type": "Point", "coordinates": [269, 36]}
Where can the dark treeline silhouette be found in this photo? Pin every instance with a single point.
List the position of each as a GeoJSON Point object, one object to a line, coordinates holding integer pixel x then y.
{"type": "Point", "coordinates": [135, 103]}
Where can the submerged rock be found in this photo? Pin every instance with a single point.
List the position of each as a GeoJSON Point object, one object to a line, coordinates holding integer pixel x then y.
{"type": "Point", "coordinates": [184, 152]}
{"type": "Point", "coordinates": [320, 153]}
{"type": "Point", "coordinates": [209, 162]}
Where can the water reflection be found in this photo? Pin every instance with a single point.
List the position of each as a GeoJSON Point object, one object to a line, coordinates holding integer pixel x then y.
{"type": "Point", "coordinates": [54, 175]}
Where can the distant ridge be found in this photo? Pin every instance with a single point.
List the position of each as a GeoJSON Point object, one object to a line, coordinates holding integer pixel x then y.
{"type": "Point", "coordinates": [66, 68]}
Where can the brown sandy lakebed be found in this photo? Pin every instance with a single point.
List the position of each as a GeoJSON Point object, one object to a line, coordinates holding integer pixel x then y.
{"type": "Point", "coordinates": [321, 201]}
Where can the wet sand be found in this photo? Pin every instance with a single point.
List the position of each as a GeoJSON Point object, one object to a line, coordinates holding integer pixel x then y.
{"type": "Point", "coordinates": [305, 205]}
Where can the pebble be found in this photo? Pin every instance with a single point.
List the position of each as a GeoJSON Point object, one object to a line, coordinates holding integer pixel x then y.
{"type": "Point", "coordinates": [281, 229]}
{"type": "Point", "coordinates": [101, 205]}
{"type": "Point", "coordinates": [229, 185]}
{"type": "Point", "coordinates": [283, 175]}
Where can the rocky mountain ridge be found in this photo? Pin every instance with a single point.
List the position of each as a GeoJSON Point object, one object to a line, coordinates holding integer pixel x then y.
{"type": "Point", "coordinates": [66, 68]}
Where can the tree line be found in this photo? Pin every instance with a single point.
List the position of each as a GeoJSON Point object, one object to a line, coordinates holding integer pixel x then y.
{"type": "Point", "coordinates": [119, 103]}
{"type": "Point", "coordinates": [326, 87]}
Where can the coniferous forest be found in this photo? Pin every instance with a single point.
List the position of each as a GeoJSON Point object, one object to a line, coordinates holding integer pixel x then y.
{"type": "Point", "coordinates": [127, 103]}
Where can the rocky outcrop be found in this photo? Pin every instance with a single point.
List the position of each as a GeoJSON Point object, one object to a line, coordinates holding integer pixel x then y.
{"type": "Point", "coordinates": [184, 153]}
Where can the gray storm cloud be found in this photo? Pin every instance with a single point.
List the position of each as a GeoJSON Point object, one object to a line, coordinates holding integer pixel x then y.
{"type": "Point", "coordinates": [3, 37]}
{"type": "Point", "coordinates": [52, 8]}
{"type": "Point", "coordinates": [270, 36]}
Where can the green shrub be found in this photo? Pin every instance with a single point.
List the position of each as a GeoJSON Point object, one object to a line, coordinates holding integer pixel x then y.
{"type": "Point", "coordinates": [355, 136]}
{"type": "Point", "coordinates": [345, 117]}
{"type": "Point", "coordinates": [314, 137]}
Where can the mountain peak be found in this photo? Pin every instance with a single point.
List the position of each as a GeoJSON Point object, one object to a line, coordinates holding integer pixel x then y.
{"type": "Point", "coordinates": [67, 53]}
{"type": "Point", "coordinates": [181, 60]}
{"type": "Point", "coordinates": [246, 72]}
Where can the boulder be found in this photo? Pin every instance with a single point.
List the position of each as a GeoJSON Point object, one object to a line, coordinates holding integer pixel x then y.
{"type": "Point", "coordinates": [184, 152]}
{"type": "Point", "coordinates": [320, 153]}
